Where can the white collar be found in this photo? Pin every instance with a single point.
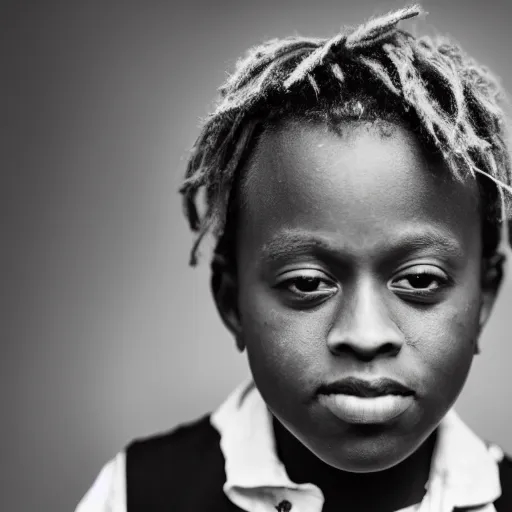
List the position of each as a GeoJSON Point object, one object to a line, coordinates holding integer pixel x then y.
{"type": "Point", "coordinates": [463, 471]}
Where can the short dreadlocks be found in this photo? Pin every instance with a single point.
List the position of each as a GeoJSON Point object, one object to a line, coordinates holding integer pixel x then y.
{"type": "Point", "coordinates": [375, 71]}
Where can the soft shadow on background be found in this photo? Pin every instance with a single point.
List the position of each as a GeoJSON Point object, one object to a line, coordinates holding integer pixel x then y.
{"type": "Point", "coordinates": [108, 335]}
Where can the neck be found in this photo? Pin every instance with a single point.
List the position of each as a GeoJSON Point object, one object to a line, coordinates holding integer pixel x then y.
{"type": "Point", "coordinates": [392, 489]}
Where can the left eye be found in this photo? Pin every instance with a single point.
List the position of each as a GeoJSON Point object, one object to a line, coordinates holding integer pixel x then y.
{"type": "Point", "coordinates": [420, 279]}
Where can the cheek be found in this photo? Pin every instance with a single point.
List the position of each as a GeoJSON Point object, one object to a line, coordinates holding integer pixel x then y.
{"type": "Point", "coordinates": [284, 347]}
{"type": "Point", "coordinates": [446, 347]}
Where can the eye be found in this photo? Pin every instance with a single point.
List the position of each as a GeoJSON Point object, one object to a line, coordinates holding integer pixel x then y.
{"type": "Point", "coordinates": [307, 285]}
{"type": "Point", "coordinates": [421, 281]}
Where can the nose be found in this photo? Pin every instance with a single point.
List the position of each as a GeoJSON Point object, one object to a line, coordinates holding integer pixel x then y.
{"type": "Point", "coordinates": [364, 326]}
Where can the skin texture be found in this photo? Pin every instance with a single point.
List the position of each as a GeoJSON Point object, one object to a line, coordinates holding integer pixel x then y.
{"type": "Point", "coordinates": [358, 257]}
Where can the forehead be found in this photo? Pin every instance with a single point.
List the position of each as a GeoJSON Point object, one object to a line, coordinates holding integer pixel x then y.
{"type": "Point", "coordinates": [360, 183]}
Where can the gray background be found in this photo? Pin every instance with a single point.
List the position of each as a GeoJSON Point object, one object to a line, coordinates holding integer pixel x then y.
{"type": "Point", "coordinates": [108, 334]}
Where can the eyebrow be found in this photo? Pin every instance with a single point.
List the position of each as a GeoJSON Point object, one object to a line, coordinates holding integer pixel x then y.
{"type": "Point", "coordinates": [297, 242]}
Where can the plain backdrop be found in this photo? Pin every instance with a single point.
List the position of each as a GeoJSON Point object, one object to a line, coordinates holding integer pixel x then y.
{"type": "Point", "coordinates": [108, 335]}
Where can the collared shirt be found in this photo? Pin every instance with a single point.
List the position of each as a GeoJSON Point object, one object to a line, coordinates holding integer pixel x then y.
{"type": "Point", "coordinates": [464, 470]}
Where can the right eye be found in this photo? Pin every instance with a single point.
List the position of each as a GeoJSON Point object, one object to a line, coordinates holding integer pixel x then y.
{"type": "Point", "coordinates": [307, 285]}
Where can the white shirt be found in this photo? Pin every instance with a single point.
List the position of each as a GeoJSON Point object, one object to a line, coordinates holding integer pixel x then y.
{"type": "Point", "coordinates": [464, 471]}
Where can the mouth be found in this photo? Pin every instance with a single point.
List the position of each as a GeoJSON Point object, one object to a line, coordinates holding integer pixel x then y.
{"type": "Point", "coordinates": [365, 388]}
{"type": "Point", "coordinates": [359, 401]}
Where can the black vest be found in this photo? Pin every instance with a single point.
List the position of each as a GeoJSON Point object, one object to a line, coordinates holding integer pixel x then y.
{"type": "Point", "coordinates": [183, 471]}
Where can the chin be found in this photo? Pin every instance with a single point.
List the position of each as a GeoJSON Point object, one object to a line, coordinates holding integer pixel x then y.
{"type": "Point", "coordinates": [368, 464]}
{"type": "Point", "coordinates": [368, 456]}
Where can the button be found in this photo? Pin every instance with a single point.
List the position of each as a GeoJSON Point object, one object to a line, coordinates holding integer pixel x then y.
{"type": "Point", "coordinates": [284, 506]}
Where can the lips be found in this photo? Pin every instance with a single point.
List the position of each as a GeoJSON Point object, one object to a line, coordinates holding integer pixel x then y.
{"type": "Point", "coordinates": [365, 388]}
{"type": "Point", "coordinates": [360, 401]}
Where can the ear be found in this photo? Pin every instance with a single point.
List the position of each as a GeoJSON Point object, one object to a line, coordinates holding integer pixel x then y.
{"type": "Point", "coordinates": [492, 277]}
{"type": "Point", "coordinates": [224, 287]}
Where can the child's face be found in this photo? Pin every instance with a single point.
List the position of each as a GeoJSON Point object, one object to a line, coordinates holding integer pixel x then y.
{"type": "Point", "coordinates": [356, 258]}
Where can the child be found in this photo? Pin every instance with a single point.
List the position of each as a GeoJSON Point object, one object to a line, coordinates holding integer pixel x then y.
{"type": "Point", "coordinates": [358, 190]}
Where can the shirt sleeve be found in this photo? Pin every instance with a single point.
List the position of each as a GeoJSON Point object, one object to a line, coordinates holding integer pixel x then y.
{"type": "Point", "coordinates": [108, 492]}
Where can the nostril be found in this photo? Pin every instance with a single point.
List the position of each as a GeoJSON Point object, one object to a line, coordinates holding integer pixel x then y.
{"type": "Point", "coordinates": [364, 349]}
{"type": "Point", "coordinates": [390, 348]}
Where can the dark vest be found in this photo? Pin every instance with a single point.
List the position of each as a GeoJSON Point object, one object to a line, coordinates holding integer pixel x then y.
{"type": "Point", "coordinates": [183, 471]}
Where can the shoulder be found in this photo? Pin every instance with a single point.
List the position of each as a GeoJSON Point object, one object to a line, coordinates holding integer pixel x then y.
{"type": "Point", "coordinates": [107, 493]}
{"type": "Point", "coordinates": [182, 469]}
{"type": "Point", "coordinates": [504, 502]}
{"type": "Point", "coordinates": [185, 439]}
{"type": "Point", "coordinates": [150, 465]}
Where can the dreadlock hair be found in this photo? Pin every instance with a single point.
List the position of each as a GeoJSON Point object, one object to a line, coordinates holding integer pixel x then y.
{"type": "Point", "coordinates": [374, 72]}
